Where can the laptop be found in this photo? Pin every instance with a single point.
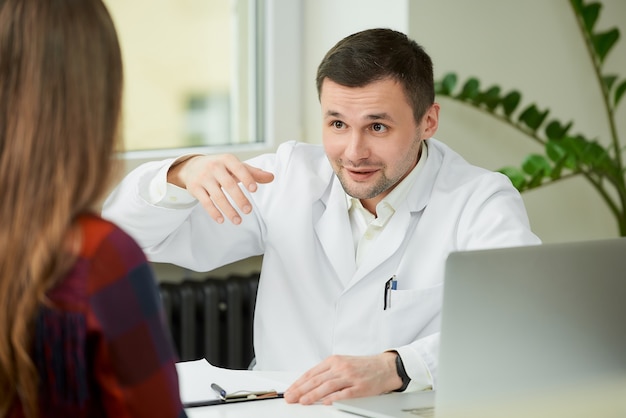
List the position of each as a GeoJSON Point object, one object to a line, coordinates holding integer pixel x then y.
{"type": "Point", "coordinates": [526, 330]}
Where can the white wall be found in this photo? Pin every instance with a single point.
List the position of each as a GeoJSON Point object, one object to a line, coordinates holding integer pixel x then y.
{"type": "Point", "coordinates": [325, 23]}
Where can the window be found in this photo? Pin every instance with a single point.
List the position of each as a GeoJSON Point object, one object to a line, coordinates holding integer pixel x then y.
{"type": "Point", "coordinates": [192, 70]}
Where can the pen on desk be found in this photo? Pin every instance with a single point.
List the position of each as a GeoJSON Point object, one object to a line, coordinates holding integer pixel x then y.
{"type": "Point", "coordinates": [219, 390]}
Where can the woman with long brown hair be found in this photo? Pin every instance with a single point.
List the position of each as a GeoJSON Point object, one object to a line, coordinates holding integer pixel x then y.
{"type": "Point", "coordinates": [82, 330]}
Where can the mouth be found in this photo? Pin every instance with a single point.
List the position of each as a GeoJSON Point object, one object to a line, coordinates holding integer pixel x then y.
{"type": "Point", "coordinates": [360, 174]}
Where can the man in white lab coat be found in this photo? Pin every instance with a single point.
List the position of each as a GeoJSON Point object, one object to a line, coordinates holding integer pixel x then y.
{"type": "Point", "coordinates": [354, 234]}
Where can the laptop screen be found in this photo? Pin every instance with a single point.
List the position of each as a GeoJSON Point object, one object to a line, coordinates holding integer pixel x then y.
{"type": "Point", "coordinates": [528, 322]}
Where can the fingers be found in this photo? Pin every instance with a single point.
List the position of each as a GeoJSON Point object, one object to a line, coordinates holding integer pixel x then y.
{"type": "Point", "coordinates": [221, 183]}
{"type": "Point", "coordinates": [313, 387]}
{"type": "Point", "coordinates": [324, 382]}
{"type": "Point", "coordinates": [257, 176]}
{"type": "Point", "coordinates": [212, 196]}
{"type": "Point", "coordinates": [214, 181]}
{"type": "Point", "coordinates": [343, 377]}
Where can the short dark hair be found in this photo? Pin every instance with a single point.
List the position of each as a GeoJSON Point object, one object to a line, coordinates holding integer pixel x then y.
{"type": "Point", "coordinates": [377, 54]}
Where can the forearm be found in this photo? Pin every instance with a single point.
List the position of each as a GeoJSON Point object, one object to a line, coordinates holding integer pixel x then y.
{"type": "Point", "coordinates": [132, 206]}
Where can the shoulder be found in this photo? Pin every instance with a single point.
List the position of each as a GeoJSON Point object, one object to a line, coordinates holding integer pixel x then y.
{"type": "Point", "coordinates": [112, 254]}
{"type": "Point", "coordinates": [297, 164]}
{"type": "Point", "coordinates": [293, 155]}
{"type": "Point", "coordinates": [103, 235]}
{"type": "Point", "coordinates": [454, 171]}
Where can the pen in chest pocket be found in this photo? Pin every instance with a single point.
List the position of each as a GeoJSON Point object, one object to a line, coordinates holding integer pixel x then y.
{"type": "Point", "coordinates": [391, 284]}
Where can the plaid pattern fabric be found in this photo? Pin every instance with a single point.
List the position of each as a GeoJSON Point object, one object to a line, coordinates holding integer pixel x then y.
{"type": "Point", "coordinates": [103, 349]}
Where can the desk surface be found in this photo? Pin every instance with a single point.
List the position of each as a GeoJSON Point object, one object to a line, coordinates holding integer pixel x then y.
{"type": "Point", "coordinates": [272, 408]}
{"type": "Point", "coordinates": [602, 399]}
{"type": "Point", "coordinates": [602, 402]}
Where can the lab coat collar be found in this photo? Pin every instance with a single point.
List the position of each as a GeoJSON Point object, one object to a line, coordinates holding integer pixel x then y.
{"type": "Point", "coordinates": [403, 223]}
{"type": "Point", "coordinates": [332, 226]}
{"type": "Point", "coordinates": [419, 194]}
{"type": "Point", "coordinates": [333, 230]}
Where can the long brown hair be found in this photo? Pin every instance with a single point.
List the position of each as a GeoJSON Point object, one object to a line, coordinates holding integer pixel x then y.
{"type": "Point", "coordinates": [60, 99]}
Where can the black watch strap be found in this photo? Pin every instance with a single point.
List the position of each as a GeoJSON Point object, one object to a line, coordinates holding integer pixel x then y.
{"type": "Point", "coordinates": [402, 373]}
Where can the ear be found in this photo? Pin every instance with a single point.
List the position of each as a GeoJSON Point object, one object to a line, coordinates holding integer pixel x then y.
{"type": "Point", "coordinates": [430, 121]}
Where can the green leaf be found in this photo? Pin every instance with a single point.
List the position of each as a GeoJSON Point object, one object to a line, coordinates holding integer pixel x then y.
{"type": "Point", "coordinates": [574, 145]}
{"type": "Point", "coordinates": [557, 151]}
{"type": "Point", "coordinates": [590, 154]}
{"type": "Point", "coordinates": [490, 98]}
{"type": "Point", "coordinates": [594, 154]}
{"type": "Point", "coordinates": [557, 170]}
{"type": "Point", "coordinates": [619, 92]}
{"type": "Point", "coordinates": [577, 5]}
{"type": "Point", "coordinates": [554, 129]}
{"type": "Point", "coordinates": [470, 90]}
{"type": "Point", "coordinates": [535, 181]}
{"type": "Point", "coordinates": [532, 117]}
{"type": "Point", "coordinates": [590, 15]}
{"type": "Point", "coordinates": [603, 42]}
{"type": "Point", "coordinates": [597, 158]}
{"type": "Point", "coordinates": [536, 165]}
{"type": "Point", "coordinates": [447, 84]}
{"type": "Point", "coordinates": [608, 81]}
{"type": "Point", "coordinates": [516, 176]}
{"type": "Point", "coordinates": [510, 101]}
{"type": "Point", "coordinates": [577, 148]}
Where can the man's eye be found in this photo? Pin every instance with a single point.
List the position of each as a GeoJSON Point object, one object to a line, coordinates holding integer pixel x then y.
{"type": "Point", "coordinates": [378, 127]}
{"type": "Point", "coordinates": [338, 124]}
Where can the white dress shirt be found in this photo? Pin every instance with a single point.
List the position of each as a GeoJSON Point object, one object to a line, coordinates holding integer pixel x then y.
{"type": "Point", "coordinates": [366, 227]}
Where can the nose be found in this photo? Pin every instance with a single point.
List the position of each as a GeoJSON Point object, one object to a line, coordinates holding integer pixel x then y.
{"type": "Point", "coordinates": [356, 148]}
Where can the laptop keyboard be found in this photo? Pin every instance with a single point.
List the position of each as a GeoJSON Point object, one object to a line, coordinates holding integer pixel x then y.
{"type": "Point", "coordinates": [428, 412]}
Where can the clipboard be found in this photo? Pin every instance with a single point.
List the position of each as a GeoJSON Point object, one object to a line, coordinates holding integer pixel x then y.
{"type": "Point", "coordinates": [198, 384]}
{"type": "Point", "coordinates": [235, 398]}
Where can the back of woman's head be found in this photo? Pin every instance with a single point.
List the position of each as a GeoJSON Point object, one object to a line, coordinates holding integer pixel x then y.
{"type": "Point", "coordinates": [60, 89]}
{"type": "Point", "coordinates": [60, 100]}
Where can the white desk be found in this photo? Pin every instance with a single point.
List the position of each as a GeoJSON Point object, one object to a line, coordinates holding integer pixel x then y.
{"type": "Point", "coordinates": [602, 402]}
{"type": "Point", "coordinates": [271, 408]}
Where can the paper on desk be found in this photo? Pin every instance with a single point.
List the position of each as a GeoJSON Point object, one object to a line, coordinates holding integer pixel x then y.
{"type": "Point", "coordinates": [195, 378]}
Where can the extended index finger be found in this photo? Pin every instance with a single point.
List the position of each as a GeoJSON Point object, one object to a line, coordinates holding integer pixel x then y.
{"type": "Point", "coordinates": [251, 176]}
{"type": "Point", "coordinates": [226, 189]}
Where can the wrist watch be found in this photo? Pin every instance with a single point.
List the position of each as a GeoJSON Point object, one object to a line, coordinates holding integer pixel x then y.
{"type": "Point", "coordinates": [402, 373]}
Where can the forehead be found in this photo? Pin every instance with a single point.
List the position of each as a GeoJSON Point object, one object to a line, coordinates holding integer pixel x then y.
{"type": "Point", "coordinates": [381, 96]}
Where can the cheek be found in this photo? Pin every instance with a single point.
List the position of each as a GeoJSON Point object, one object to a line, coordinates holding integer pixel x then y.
{"type": "Point", "coordinates": [399, 156]}
{"type": "Point", "coordinates": [332, 147]}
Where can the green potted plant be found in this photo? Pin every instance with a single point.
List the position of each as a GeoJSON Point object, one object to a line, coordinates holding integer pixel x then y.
{"type": "Point", "coordinates": [564, 154]}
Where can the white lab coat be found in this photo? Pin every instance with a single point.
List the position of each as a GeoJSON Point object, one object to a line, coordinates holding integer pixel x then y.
{"type": "Point", "coordinates": [312, 300]}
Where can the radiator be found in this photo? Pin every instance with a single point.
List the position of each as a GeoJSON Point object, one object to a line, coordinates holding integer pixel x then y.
{"type": "Point", "coordinates": [212, 318]}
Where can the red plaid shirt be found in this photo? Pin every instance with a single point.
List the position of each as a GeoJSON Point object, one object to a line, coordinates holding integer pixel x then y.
{"type": "Point", "coordinates": [103, 348]}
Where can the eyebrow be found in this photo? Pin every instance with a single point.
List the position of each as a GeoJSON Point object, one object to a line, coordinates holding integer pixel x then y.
{"type": "Point", "coordinates": [374, 116]}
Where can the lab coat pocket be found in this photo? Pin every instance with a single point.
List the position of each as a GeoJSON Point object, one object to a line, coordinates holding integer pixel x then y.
{"type": "Point", "coordinates": [410, 315]}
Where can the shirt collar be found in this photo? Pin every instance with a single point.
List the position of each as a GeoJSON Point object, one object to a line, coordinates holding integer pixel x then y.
{"type": "Point", "coordinates": [387, 207]}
